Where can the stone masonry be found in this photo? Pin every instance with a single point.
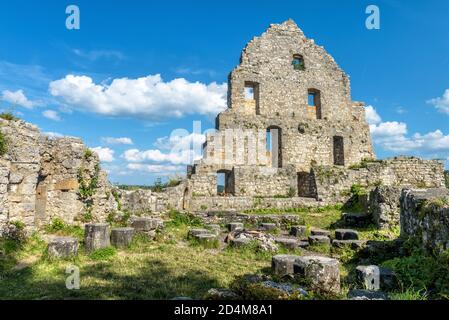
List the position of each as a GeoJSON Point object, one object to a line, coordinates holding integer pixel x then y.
{"type": "Point", "coordinates": [40, 178]}
{"type": "Point", "coordinates": [292, 131]}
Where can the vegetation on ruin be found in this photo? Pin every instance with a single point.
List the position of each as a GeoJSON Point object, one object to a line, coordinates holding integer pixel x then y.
{"type": "Point", "coordinates": [3, 144]}
{"type": "Point", "coordinates": [9, 116]}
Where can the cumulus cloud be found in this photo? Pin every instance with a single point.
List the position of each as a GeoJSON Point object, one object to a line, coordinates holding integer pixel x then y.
{"type": "Point", "coordinates": [123, 140]}
{"type": "Point", "coordinates": [180, 149]}
{"type": "Point", "coordinates": [17, 98]}
{"type": "Point", "coordinates": [441, 103]}
{"type": "Point", "coordinates": [148, 97]}
{"type": "Point", "coordinates": [52, 115]}
{"type": "Point", "coordinates": [371, 115]}
{"type": "Point", "coordinates": [105, 154]}
{"type": "Point", "coordinates": [392, 136]}
{"type": "Point", "coordinates": [154, 168]}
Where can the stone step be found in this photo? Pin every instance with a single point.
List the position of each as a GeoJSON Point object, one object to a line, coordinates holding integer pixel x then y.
{"type": "Point", "coordinates": [320, 232]}
{"type": "Point", "coordinates": [346, 234]}
{"type": "Point", "coordinates": [298, 231]}
{"type": "Point", "coordinates": [317, 240]}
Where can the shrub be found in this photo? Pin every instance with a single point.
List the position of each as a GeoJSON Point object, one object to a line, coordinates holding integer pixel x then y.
{"type": "Point", "coordinates": [8, 116]}
{"type": "Point", "coordinates": [56, 225]}
{"type": "Point", "coordinates": [88, 154]}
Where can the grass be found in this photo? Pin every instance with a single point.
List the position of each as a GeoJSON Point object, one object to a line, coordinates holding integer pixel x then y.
{"type": "Point", "coordinates": [170, 266]}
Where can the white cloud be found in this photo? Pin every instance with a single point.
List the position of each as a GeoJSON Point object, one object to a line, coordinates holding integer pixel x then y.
{"type": "Point", "coordinates": [52, 115]}
{"type": "Point", "coordinates": [123, 140]}
{"type": "Point", "coordinates": [159, 169]}
{"type": "Point", "coordinates": [388, 129]}
{"type": "Point", "coordinates": [147, 97]}
{"type": "Point", "coordinates": [392, 136]}
{"type": "Point", "coordinates": [181, 149]}
{"type": "Point", "coordinates": [17, 98]}
{"type": "Point", "coordinates": [441, 103]}
{"type": "Point", "coordinates": [105, 154]}
{"type": "Point", "coordinates": [180, 141]}
{"type": "Point", "coordinates": [371, 115]}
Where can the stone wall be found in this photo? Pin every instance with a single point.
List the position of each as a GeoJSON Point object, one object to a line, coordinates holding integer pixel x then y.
{"type": "Point", "coordinates": [385, 207]}
{"type": "Point", "coordinates": [425, 215]}
{"type": "Point", "coordinates": [40, 178]}
{"type": "Point", "coordinates": [198, 204]}
{"type": "Point", "coordinates": [334, 182]}
{"type": "Point", "coordinates": [267, 93]}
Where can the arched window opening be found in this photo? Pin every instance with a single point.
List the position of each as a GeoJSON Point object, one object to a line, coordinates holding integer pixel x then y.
{"type": "Point", "coordinates": [298, 62]}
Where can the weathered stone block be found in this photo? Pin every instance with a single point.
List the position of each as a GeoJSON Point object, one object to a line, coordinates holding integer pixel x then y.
{"type": "Point", "coordinates": [298, 231]}
{"type": "Point", "coordinates": [356, 219]}
{"type": "Point", "coordinates": [322, 273]}
{"type": "Point", "coordinates": [206, 239]}
{"type": "Point", "coordinates": [195, 232]}
{"type": "Point", "coordinates": [375, 278]}
{"type": "Point", "coordinates": [266, 226]}
{"type": "Point", "coordinates": [319, 240]}
{"type": "Point", "coordinates": [346, 234]}
{"type": "Point", "coordinates": [290, 244]}
{"type": "Point", "coordinates": [235, 226]}
{"type": "Point", "coordinates": [369, 277]}
{"type": "Point", "coordinates": [282, 264]}
{"type": "Point", "coordinates": [353, 244]}
{"type": "Point", "coordinates": [145, 224]}
{"type": "Point", "coordinates": [122, 237]}
{"type": "Point", "coordinates": [63, 247]}
{"type": "Point", "coordinates": [320, 232]}
{"type": "Point", "coordinates": [385, 206]}
{"type": "Point", "coordinates": [240, 242]}
{"type": "Point", "coordinates": [96, 236]}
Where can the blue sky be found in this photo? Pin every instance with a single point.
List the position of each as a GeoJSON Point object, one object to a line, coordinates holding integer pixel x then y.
{"type": "Point", "coordinates": [68, 81]}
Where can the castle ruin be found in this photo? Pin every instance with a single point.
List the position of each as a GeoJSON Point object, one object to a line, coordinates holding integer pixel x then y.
{"type": "Point", "coordinates": [291, 127]}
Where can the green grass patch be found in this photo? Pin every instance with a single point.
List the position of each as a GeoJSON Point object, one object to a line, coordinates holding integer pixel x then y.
{"type": "Point", "coordinates": [103, 254]}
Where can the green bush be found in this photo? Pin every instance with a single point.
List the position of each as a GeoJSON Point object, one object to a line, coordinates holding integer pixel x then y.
{"type": "Point", "coordinates": [178, 219]}
{"type": "Point", "coordinates": [423, 273]}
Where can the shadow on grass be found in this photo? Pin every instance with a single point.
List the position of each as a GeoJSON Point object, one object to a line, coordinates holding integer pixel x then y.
{"type": "Point", "coordinates": [100, 281]}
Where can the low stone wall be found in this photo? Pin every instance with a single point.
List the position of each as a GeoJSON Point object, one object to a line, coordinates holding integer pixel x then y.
{"type": "Point", "coordinates": [334, 183]}
{"type": "Point", "coordinates": [283, 221]}
{"type": "Point", "coordinates": [245, 203]}
{"type": "Point", "coordinates": [425, 215]}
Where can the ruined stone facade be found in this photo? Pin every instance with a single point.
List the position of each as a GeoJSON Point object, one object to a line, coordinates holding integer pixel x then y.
{"type": "Point", "coordinates": [41, 178]}
{"type": "Point", "coordinates": [425, 216]}
{"type": "Point", "coordinates": [292, 131]}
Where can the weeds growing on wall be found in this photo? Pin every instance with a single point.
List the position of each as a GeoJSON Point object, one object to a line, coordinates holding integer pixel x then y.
{"type": "Point", "coordinates": [3, 144]}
